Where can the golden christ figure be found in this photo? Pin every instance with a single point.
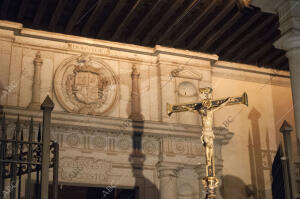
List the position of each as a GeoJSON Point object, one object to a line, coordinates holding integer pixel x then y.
{"type": "Point", "coordinates": [206, 107]}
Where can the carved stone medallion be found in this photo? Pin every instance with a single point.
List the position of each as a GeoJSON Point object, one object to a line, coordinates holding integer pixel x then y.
{"type": "Point", "coordinates": [180, 147]}
{"type": "Point", "coordinates": [73, 140]}
{"type": "Point", "coordinates": [85, 85]}
{"type": "Point", "coordinates": [149, 147]}
{"type": "Point", "coordinates": [99, 142]}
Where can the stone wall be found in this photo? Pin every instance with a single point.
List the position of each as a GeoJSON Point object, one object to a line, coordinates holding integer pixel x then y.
{"type": "Point", "coordinates": [91, 83]}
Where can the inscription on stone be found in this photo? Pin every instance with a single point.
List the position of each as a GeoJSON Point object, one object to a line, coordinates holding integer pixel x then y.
{"type": "Point", "coordinates": [89, 49]}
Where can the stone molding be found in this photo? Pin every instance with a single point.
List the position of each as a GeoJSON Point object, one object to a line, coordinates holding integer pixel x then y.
{"type": "Point", "coordinates": [175, 142]}
{"type": "Point", "coordinates": [69, 44]}
{"type": "Point", "coordinates": [288, 11]}
{"type": "Point", "coordinates": [166, 169]}
{"type": "Point", "coordinates": [289, 18]}
{"type": "Point", "coordinates": [250, 73]}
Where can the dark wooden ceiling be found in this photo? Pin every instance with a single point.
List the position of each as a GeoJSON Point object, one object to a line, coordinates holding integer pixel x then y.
{"type": "Point", "coordinates": [212, 26]}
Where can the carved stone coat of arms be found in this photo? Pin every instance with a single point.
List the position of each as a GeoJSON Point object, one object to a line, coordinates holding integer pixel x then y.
{"type": "Point", "coordinates": [85, 85]}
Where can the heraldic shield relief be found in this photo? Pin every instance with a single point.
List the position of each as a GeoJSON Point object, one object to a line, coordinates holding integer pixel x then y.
{"type": "Point", "coordinates": [85, 85]}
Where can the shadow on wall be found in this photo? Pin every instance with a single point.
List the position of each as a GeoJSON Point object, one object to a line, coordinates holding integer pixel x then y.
{"type": "Point", "coordinates": [260, 159]}
{"type": "Point", "coordinates": [137, 159]}
{"type": "Point", "coordinates": [234, 188]}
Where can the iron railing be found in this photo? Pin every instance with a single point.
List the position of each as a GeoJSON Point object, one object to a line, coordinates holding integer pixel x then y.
{"type": "Point", "coordinates": [23, 159]}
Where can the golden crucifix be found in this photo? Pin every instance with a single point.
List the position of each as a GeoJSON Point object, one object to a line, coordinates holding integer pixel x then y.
{"type": "Point", "coordinates": [206, 107]}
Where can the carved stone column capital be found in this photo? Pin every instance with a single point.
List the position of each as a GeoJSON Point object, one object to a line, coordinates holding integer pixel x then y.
{"type": "Point", "coordinates": [38, 60]}
{"type": "Point", "coordinates": [168, 169]}
{"type": "Point", "coordinates": [289, 18]}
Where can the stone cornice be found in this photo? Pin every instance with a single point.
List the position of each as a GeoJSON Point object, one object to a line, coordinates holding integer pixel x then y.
{"type": "Point", "coordinates": [94, 123]}
{"type": "Point", "coordinates": [288, 42]}
{"type": "Point", "coordinates": [250, 73]}
{"type": "Point", "coordinates": [135, 53]}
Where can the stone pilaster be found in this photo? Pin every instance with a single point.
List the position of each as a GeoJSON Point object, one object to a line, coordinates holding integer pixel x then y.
{"type": "Point", "coordinates": [168, 179]}
{"type": "Point", "coordinates": [201, 171]}
{"type": "Point", "coordinates": [136, 114]}
{"type": "Point", "coordinates": [36, 84]}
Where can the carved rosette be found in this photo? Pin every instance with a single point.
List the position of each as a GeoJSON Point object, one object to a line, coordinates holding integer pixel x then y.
{"type": "Point", "coordinates": [150, 147]}
{"type": "Point", "coordinates": [85, 85]}
{"type": "Point", "coordinates": [99, 142]}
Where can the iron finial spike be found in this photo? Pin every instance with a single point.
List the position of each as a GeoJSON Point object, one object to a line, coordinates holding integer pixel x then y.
{"type": "Point", "coordinates": [39, 133]}
{"type": "Point", "coordinates": [14, 135]}
{"type": "Point", "coordinates": [3, 119]}
{"type": "Point", "coordinates": [3, 127]}
{"type": "Point", "coordinates": [21, 144]}
{"type": "Point", "coordinates": [22, 135]}
{"type": "Point", "coordinates": [30, 130]}
{"type": "Point", "coordinates": [18, 127]}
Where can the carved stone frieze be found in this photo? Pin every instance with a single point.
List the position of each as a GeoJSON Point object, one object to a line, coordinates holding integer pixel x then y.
{"type": "Point", "coordinates": [84, 169]}
{"type": "Point", "coordinates": [99, 142]}
{"type": "Point", "coordinates": [182, 146]}
{"type": "Point", "coordinates": [73, 140]}
{"type": "Point", "coordinates": [102, 141]}
{"type": "Point", "coordinates": [85, 85]}
{"type": "Point", "coordinates": [124, 144]}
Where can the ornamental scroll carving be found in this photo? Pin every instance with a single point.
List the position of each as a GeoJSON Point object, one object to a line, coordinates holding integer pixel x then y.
{"type": "Point", "coordinates": [84, 169]}
{"type": "Point", "coordinates": [85, 85]}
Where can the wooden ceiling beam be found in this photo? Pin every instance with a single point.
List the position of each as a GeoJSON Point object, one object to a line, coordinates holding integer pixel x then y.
{"type": "Point", "coordinates": [284, 65]}
{"type": "Point", "coordinates": [126, 21]}
{"type": "Point", "coordinates": [273, 56]}
{"type": "Point", "coordinates": [262, 40]}
{"type": "Point", "coordinates": [278, 60]}
{"type": "Point", "coordinates": [247, 37]}
{"type": "Point", "coordinates": [58, 11]}
{"type": "Point", "coordinates": [282, 61]}
{"type": "Point", "coordinates": [182, 35]}
{"type": "Point", "coordinates": [171, 28]}
{"type": "Point", "coordinates": [228, 7]}
{"type": "Point", "coordinates": [4, 8]}
{"type": "Point", "coordinates": [258, 53]}
{"type": "Point", "coordinates": [216, 35]}
{"type": "Point", "coordinates": [237, 33]}
{"type": "Point", "coordinates": [22, 10]}
{"type": "Point", "coordinates": [91, 20]}
{"type": "Point", "coordinates": [40, 12]}
{"type": "Point", "coordinates": [111, 18]}
{"type": "Point", "coordinates": [76, 14]}
{"type": "Point", "coordinates": [145, 21]}
{"type": "Point", "coordinates": [162, 21]}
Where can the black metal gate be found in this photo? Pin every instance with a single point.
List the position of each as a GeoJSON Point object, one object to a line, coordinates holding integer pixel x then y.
{"type": "Point", "coordinates": [27, 159]}
{"type": "Point", "coordinates": [278, 187]}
